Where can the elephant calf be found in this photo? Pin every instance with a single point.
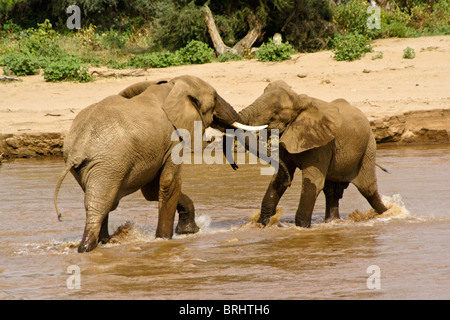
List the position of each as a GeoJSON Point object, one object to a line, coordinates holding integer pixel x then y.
{"type": "Point", "coordinates": [332, 143]}
{"type": "Point", "coordinates": [123, 143]}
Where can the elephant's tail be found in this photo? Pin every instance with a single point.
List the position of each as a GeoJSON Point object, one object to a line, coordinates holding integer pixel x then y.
{"type": "Point", "coordinates": [69, 165]}
{"type": "Point", "coordinates": [58, 186]}
{"type": "Point", "coordinates": [384, 169]}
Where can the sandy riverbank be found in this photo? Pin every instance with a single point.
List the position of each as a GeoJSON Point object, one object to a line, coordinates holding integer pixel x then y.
{"type": "Point", "coordinates": [407, 101]}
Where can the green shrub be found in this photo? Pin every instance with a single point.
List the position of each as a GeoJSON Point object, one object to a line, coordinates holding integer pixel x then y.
{"type": "Point", "coordinates": [195, 52]}
{"type": "Point", "coordinates": [40, 42]}
{"type": "Point", "coordinates": [270, 51]}
{"type": "Point", "coordinates": [113, 39]}
{"type": "Point", "coordinates": [352, 16]}
{"type": "Point", "coordinates": [68, 68]}
{"type": "Point", "coordinates": [20, 64]}
{"type": "Point", "coordinates": [409, 53]}
{"type": "Point", "coordinates": [378, 55]}
{"type": "Point", "coordinates": [229, 56]}
{"type": "Point", "coordinates": [178, 22]}
{"type": "Point", "coordinates": [351, 46]}
{"type": "Point", "coordinates": [162, 59]}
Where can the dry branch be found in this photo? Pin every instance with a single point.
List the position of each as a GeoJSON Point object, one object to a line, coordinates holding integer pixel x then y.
{"type": "Point", "coordinates": [117, 74]}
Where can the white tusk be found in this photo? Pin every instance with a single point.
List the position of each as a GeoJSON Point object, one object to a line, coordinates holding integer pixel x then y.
{"type": "Point", "coordinates": [238, 125]}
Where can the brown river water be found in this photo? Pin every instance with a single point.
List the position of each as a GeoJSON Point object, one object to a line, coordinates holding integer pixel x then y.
{"type": "Point", "coordinates": [403, 254]}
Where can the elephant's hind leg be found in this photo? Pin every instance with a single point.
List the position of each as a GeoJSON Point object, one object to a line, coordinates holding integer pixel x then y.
{"type": "Point", "coordinates": [98, 203]}
{"type": "Point", "coordinates": [366, 180]}
{"type": "Point", "coordinates": [169, 192]}
{"type": "Point", "coordinates": [333, 193]}
{"type": "Point", "coordinates": [186, 215]}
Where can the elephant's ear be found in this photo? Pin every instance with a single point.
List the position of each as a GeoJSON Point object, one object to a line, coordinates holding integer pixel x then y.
{"type": "Point", "coordinates": [137, 88]}
{"type": "Point", "coordinates": [182, 106]}
{"type": "Point", "coordinates": [315, 126]}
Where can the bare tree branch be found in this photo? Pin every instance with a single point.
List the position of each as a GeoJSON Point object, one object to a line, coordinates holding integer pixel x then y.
{"type": "Point", "coordinates": [219, 46]}
{"type": "Point", "coordinates": [239, 48]}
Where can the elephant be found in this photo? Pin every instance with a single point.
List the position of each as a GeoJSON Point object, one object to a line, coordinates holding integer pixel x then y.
{"type": "Point", "coordinates": [123, 143]}
{"type": "Point", "coordinates": [330, 142]}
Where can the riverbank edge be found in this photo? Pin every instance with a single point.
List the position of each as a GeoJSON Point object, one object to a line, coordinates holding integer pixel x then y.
{"type": "Point", "coordinates": [413, 127]}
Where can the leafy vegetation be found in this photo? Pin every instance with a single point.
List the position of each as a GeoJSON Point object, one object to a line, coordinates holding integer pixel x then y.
{"type": "Point", "coordinates": [409, 53]}
{"type": "Point", "coordinates": [351, 46]}
{"type": "Point", "coordinates": [163, 33]}
{"type": "Point", "coordinates": [272, 52]}
{"type": "Point", "coordinates": [67, 69]}
{"type": "Point", "coordinates": [195, 52]}
{"type": "Point", "coordinates": [20, 64]}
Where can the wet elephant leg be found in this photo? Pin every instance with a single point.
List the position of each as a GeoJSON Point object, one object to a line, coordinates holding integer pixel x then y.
{"type": "Point", "coordinates": [280, 181]}
{"type": "Point", "coordinates": [186, 215]}
{"type": "Point", "coordinates": [169, 192]}
{"type": "Point", "coordinates": [308, 197]}
{"type": "Point", "coordinates": [373, 197]}
{"type": "Point", "coordinates": [98, 203]}
{"type": "Point", "coordinates": [333, 193]}
{"type": "Point", "coordinates": [103, 236]}
{"type": "Point", "coordinates": [366, 180]}
{"type": "Point", "coordinates": [314, 165]}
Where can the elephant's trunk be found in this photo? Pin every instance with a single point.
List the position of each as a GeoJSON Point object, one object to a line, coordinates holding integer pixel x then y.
{"type": "Point", "coordinates": [251, 114]}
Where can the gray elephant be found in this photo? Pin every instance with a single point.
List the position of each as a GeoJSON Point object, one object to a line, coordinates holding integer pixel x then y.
{"type": "Point", "coordinates": [331, 142]}
{"type": "Point", "coordinates": [123, 143]}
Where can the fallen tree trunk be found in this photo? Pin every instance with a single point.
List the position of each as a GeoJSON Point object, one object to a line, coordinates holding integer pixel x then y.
{"type": "Point", "coordinates": [5, 78]}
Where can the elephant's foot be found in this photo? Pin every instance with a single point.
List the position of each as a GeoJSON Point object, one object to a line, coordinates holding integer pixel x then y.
{"type": "Point", "coordinates": [264, 219]}
{"type": "Point", "coordinates": [332, 214]}
{"type": "Point", "coordinates": [89, 242]}
{"type": "Point", "coordinates": [186, 227]}
{"type": "Point", "coordinates": [302, 221]}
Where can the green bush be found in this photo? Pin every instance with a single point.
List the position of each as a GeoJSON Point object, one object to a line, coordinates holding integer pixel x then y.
{"type": "Point", "coordinates": [229, 56]}
{"type": "Point", "coordinates": [352, 16]}
{"type": "Point", "coordinates": [113, 39]}
{"type": "Point", "coordinates": [162, 59]}
{"type": "Point", "coordinates": [178, 22]}
{"type": "Point", "coordinates": [20, 64]}
{"type": "Point", "coordinates": [195, 52]}
{"type": "Point", "coordinates": [378, 55]}
{"type": "Point", "coordinates": [409, 53]}
{"type": "Point", "coordinates": [351, 46]}
{"type": "Point", "coordinates": [40, 42]}
{"type": "Point", "coordinates": [270, 51]}
{"type": "Point", "coordinates": [68, 68]}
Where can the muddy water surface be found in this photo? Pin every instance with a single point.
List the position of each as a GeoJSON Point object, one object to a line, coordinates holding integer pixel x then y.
{"type": "Point", "coordinates": [232, 258]}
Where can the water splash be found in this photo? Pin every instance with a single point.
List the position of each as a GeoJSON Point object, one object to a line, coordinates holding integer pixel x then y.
{"type": "Point", "coordinates": [274, 220]}
{"type": "Point", "coordinates": [396, 209]}
{"type": "Point", "coordinates": [203, 221]}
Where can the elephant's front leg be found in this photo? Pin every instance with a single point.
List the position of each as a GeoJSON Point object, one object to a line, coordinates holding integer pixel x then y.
{"type": "Point", "coordinates": [186, 215]}
{"type": "Point", "coordinates": [169, 192]}
{"type": "Point", "coordinates": [280, 181]}
{"type": "Point", "coordinates": [333, 193]}
{"type": "Point", "coordinates": [312, 183]}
